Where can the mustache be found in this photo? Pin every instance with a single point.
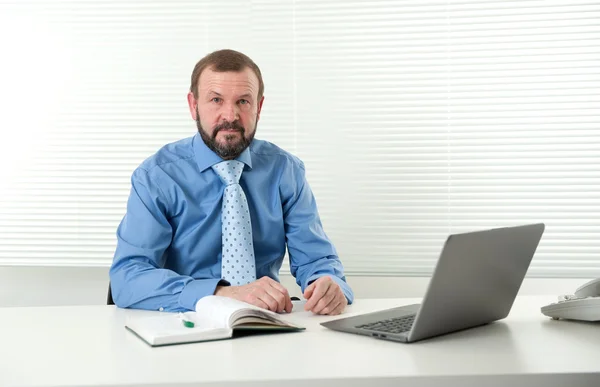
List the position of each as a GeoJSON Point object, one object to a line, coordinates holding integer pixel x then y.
{"type": "Point", "coordinates": [229, 125]}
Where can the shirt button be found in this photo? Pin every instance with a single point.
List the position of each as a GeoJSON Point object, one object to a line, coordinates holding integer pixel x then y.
{"type": "Point", "coordinates": [161, 309]}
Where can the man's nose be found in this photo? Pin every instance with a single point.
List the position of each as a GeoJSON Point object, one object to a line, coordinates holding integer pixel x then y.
{"type": "Point", "coordinates": [230, 112]}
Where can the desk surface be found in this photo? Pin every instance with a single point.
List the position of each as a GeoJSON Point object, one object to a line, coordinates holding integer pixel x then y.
{"type": "Point", "coordinates": [88, 345]}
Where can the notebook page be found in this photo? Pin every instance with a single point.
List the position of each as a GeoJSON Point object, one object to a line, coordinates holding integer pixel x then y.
{"type": "Point", "coordinates": [220, 309]}
{"type": "Point", "coordinates": [168, 328]}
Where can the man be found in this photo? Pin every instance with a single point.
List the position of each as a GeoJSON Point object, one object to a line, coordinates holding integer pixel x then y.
{"type": "Point", "coordinates": [212, 214]}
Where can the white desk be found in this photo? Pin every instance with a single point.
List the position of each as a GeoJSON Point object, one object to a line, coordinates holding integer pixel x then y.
{"type": "Point", "coordinates": [88, 345]}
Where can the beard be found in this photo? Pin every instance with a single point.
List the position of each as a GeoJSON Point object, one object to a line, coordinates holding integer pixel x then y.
{"type": "Point", "coordinates": [232, 147]}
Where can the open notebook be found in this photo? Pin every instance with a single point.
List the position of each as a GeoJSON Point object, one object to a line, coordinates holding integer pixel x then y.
{"type": "Point", "coordinates": [215, 318]}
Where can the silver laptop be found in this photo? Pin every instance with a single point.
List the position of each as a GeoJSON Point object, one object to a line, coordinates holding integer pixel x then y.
{"type": "Point", "coordinates": [475, 282]}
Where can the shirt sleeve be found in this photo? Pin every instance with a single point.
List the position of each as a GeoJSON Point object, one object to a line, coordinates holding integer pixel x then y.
{"type": "Point", "coordinates": [136, 275]}
{"type": "Point", "coordinates": [312, 254]}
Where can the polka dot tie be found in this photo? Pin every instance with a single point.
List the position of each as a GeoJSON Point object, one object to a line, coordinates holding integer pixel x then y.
{"type": "Point", "coordinates": [237, 264]}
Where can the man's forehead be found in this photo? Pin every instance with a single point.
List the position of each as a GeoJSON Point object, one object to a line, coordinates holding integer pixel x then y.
{"type": "Point", "coordinates": [240, 82]}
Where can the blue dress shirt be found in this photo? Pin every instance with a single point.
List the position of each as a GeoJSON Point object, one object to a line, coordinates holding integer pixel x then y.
{"type": "Point", "coordinates": [168, 253]}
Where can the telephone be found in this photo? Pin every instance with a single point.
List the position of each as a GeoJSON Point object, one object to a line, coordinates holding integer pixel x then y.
{"type": "Point", "coordinates": [583, 305]}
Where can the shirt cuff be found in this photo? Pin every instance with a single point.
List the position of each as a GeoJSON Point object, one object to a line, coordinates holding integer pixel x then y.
{"type": "Point", "coordinates": [196, 289]}
{"type": "Point", "coordinates": [341, 282]}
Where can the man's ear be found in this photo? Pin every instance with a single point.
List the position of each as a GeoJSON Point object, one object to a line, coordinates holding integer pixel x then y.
{"type": "Point", "coordinates": [260, 103]}
{"type": "Point", "coordinates": [192, 103]}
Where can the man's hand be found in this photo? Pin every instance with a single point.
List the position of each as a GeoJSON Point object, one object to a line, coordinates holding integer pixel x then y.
{"type": "Point", "coordinates": [265, 293]}
{"type": "Point", "coordinates": [325, 297]}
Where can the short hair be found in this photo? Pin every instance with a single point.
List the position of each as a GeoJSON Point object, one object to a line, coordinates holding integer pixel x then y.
{"type": "Point", "coordinates": [222, 61]}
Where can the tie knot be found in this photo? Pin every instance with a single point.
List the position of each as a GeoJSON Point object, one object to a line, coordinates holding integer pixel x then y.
{"type": "Point", "coordinates": [229, 171]}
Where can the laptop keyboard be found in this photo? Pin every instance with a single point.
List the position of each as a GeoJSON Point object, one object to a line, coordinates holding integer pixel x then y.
{"type": "Point", "coordinates": [392, 325]}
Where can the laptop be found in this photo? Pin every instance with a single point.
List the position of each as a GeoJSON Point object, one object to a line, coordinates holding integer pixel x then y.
{"type": "Point", "coordinates": [475, 282]}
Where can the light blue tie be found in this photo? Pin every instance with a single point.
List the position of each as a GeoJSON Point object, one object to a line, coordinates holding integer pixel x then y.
{"type": "Point", "coordinates": [237, 264]}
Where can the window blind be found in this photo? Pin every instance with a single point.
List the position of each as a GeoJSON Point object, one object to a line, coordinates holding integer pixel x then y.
{"type": "Point", "coordinates": [415, 119]}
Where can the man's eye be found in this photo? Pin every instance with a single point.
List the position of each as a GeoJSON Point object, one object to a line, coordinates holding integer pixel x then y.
{"type": "Point", "coordinates": [216, 100]}
{"type": "Point", "coordinates": [244, 102]}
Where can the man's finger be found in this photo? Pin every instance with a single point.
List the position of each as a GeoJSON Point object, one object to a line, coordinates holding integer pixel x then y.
{"type": "Point", "coordinates": [256, 301]}
{"type": "Point", "coordinates": [278, 296]}
{"type": "Point", "coordinates": [326, 301]}
{"type": "Point", "coordinates": [327, 298]}
{"type": "Point", "coordinates": [267, 299]}
{"type": "Point", "coordinates": [332, 307]}
{"type": "Point", "coordinates": [318, 293]}
{"type": "Point", "coordinates": [309, 290]}
{"type": "Point", "coordinates": [287, 302]}
{"type": "Point", "coordinates": [278, 292]}
{"type": "Point", "coordinates": [314, 295]}
{"type": "Point", "coordinates": [342, 305]}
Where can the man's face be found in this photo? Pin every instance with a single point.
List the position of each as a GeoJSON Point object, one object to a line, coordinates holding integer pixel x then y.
{"type": "Point", "coordinates": [227, 110]}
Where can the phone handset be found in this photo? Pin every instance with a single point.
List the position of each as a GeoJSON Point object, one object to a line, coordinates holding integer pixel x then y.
{"type": "Point", "coordinates": [589, 289]}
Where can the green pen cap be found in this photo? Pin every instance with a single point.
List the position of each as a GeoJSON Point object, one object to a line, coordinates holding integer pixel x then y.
{"type": "Point", "coordinates": [188, 324]}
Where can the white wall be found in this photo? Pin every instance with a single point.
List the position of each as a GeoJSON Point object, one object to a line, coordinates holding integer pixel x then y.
{"type": "Point", "coordinates": [46, 286]}
{"type": "Point", "coordinates": [415, 119]}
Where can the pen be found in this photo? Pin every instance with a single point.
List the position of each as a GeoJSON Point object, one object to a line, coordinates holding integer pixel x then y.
{"type": "Point", "coordinates": [186, 323]}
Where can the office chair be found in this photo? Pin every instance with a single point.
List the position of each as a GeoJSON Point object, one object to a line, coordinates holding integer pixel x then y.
{"type": "Point", "coordinates": [109, 299]}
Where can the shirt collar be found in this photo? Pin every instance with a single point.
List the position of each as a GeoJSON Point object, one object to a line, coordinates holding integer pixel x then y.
{"type": "Point", "coordinates": [206, 158]}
